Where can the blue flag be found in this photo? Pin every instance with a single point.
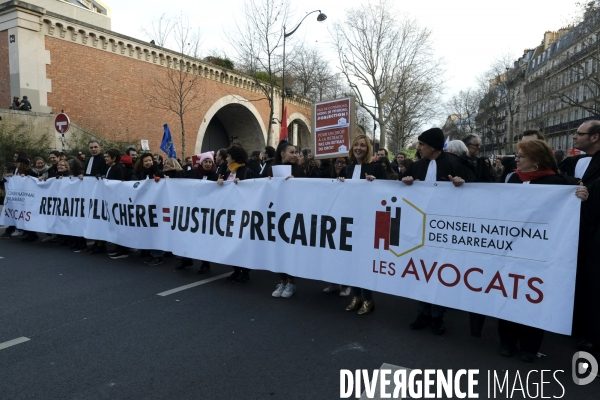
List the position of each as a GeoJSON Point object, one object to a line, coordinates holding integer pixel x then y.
{"type": "Point", "coordinates": [167, 143]}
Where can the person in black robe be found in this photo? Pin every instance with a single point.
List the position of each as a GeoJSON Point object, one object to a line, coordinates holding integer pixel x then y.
{"type": "Point", "coordinates": [482, 169]}
{"type": "Point", "coordinates": [435, 166]}
{"type": "Point", "coordinates": [96, 165]}
{"type": "Point", "coordinates": [586, 169]}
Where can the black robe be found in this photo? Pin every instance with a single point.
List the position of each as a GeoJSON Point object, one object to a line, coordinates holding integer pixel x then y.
{"type": "Point", "coordinates": [99, 166]}
{"type": "Point", "coordinates": [374, 168]}
{"type": "Point", "coordinates": [592, 173]}
{"type": "Point", "coordinates": [586, 314]}
{"type": "Point", "coordinates": [447, 164]}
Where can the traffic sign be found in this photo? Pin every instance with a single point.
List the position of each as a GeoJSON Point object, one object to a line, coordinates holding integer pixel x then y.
{"type": "Point", "coordinates": [62, 123]}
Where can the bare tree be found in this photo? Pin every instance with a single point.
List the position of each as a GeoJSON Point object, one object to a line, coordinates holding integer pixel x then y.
{"type": "Point", "coordinates": [178, 89]}
{"type": "Point", "coordinates": [463, 107]}
{"type": "Point", "coordinates": [160, 30]}
{"type": "Point", "coordinates": [418, 104]}
{"type": "Point", "coordinates": [258, 41]}
{"type": "Point", "coordinates": [380, 53]}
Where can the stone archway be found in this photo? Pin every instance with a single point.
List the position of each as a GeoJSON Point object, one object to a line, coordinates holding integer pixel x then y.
{"type": "Point", "coordinates": [231, 117]}
{"type": "Point", "coordinates": [299, 131]}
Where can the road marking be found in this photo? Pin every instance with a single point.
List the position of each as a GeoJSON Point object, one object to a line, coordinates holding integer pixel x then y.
{"type": "Point", "coordinates": [1, 258]}
{"type": "Point", "coordinates": [13, 342]}
{"type": "Point", "coordinates": [191, 285]}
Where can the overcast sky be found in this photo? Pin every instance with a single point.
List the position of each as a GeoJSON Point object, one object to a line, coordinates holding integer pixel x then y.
{"type": "Point", "coordinates": [468, 34]}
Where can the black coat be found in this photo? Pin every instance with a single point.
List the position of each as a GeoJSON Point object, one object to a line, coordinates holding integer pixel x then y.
{"type": "Point", "coordinates": [242, 173]}
{"type": "Point", "coordinates": [174, 174]}
{"type": "Point", "coordinates": [99, 166]}
{"type": "Point", "coordinates": [592, 173]}
{"type": "Point", "coordinates": [374, 168]}
{"type": "Point", "coordinates": [115, 173]}
{"type": "Point", "coordinates": [447, 164]}
{"type": "Point", "coordinates": [147, 173]}
{"type": "Point", "coordinates": [52, 171]}
{"type": "Point", "coordinates": [267, 168]}
{"type": "Point", "coordinates": [297, 171]}
{"type": "Point", "coordinates": [211, 176]}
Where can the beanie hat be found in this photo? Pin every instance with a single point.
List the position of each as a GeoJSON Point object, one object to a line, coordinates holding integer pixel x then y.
{"type": "Point", "coordinates": [208, 154]}
{"type": "Point", "coordinates": [126, 160]}
{"type": "Point", "coordinates": [434, 137]}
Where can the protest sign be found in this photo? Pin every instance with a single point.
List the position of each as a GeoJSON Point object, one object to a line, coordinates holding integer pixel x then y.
{"type": "Point", "coordinates": [514, 258]}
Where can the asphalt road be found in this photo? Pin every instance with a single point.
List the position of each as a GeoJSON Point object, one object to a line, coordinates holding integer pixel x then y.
{"type": "Point", "coordinates": [99, 330]}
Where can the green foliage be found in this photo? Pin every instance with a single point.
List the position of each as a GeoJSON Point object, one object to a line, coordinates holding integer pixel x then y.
{"type": "Point", "coordinates": [409, 153]}
{"type": "Point", "coordinates": [221, 62]}
{"type": "Point", "coordinates": [21, 137]}
{"type": "Point", "coordinates": [78, 141]}
{"type": "Point", "coordinates": [264, 77]}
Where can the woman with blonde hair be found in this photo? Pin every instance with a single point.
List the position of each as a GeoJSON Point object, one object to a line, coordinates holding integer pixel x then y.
{"type": "Point", "coordinates": [361, 167]}
{"type": "Point", "coordinates": [172, 169]}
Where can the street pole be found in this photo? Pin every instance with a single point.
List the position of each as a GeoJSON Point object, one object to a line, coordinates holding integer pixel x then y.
{"type": "Point", "coordinates": [320, 18]}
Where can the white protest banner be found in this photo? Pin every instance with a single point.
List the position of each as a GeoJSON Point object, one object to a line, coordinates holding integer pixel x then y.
{"type": "Point", "coordinates": [501, 250]}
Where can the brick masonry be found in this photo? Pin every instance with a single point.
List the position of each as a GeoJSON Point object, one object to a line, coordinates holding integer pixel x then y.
{"type": "Point", "coordinates": [104, 92]}
{"type": "Point", "coordinates": [5, 99]}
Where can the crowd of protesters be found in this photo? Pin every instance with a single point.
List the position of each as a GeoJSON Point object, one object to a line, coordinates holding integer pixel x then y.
{"type": "Point", "coordinates": [456, 161]}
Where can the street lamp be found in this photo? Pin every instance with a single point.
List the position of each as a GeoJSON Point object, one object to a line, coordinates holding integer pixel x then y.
{"type": "Point", "coordinates": [321, 17]}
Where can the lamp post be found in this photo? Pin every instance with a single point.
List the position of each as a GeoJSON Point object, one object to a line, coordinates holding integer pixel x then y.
{"type": "Point", "coordinates": [321, 17]}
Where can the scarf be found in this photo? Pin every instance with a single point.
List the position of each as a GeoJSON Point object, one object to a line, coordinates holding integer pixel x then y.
{"type": "Point", "coordinates": [533, 175]}
{"type": "Point", "coordinates": [202, 172]}
{"type": "Point", "coordinates": [234, 167]}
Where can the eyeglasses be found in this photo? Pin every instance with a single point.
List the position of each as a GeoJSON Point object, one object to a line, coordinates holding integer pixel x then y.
{"type": "Point", "coordinates": [340, 162]}
{"type": "Point", "coordinates": [519, 156]}
{"type": "Point", "coordinates": [583, 133]}
{"type": "Point", "coordinates": [476, 145]}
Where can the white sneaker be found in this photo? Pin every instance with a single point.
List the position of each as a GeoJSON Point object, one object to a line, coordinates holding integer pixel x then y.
{"type": "Point", "coordinates": [18, 232]}
{"type": "Point", "coordinates": [279, 290]}
{"type": "Point", "coordinates": [290, 288]}
{"type": "Point", "coordinates": [346, 292]}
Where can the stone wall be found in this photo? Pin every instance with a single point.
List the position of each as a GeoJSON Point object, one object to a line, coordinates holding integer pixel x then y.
{"type": "Point", "coordinates": [39, 124]}
{"type": "Point", "coordinates": [5, 99]}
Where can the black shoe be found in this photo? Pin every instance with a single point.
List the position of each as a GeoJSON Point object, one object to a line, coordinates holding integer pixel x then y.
{"type": "Point", "coordinates": [30, 238]}
{"type": "Point", "coordinates": [422, 321]}
{"type": "Point", "coordinates": [145, 253]}
{"type": "Point", "coordinates": [204, 268]}
{"type": "Point", "coordinates": [437, 326]}
{"type": "Point", "coordinates": [74, 246]}
{"type": "Point", "coordinates": [184, 264]}
{"type": "Point", "coordinates": [527, 357]}
{"type": "Point", "coordinates": [506, 350]}
{"type": "Point", "coordinates": [154, 262]}
{"type": "Point", "coordinates": [244, 277]}
{"type": "Point", "coordinates": [234, 275]}
{"type": "Point", "coordinates": [98, 250]}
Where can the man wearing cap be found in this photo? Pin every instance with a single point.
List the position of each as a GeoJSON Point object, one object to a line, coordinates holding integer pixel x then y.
{"type": "Point", "coordinates": [434, 166]}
